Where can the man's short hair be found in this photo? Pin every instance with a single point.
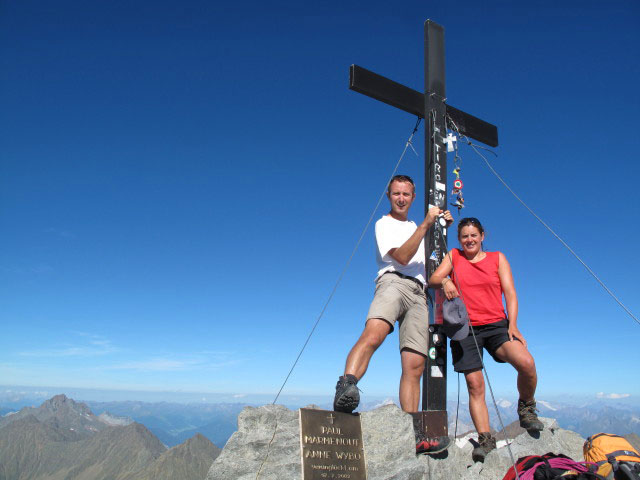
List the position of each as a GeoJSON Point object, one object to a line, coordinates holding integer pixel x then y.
{"type": "Point", "coordinates": [401, 178]}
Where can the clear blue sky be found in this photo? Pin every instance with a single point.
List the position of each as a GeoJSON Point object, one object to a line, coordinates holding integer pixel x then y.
{"type": "Point", "coordinates": [182, 182]}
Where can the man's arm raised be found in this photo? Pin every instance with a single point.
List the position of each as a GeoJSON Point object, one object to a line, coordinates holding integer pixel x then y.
{"type": "Point", "coordinates": [408, 249]}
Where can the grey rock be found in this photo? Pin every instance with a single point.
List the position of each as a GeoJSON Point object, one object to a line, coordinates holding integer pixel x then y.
{"type": "Point", "coordinates": [389, 446]}
{"type": "Point", "coordinates": [267, 441]}
{"type": "Point", "coordinates": [106, 417]}
{"type": "Point", "coordinates": [634, 440]}
{"type": "Point", "coordinates": [457, 462]}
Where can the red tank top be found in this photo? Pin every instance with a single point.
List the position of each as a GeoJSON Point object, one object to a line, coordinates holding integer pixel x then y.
{"type": "Point", "coordinates": [480, 285]}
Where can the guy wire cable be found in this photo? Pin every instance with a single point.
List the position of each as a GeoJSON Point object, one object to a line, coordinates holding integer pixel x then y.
{"type": "Point", "coordinates": [335, 287]}
{"type": "Point", "coordinates": [484, 368]}
{"type": "Point", "coordinates": [455, 432]}
{"type": "Point", "coordinates": [593, 274]}
{"type": "Point", "coordinates": [344, 270]}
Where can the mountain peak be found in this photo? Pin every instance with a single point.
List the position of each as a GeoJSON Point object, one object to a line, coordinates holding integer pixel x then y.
{"type": "Point", "coordinates": [198, 438]}
{"type": "Point", "coordinates": [190, 459]}
{"type": "Point", "coordinates": [61, 403]}
{"type": "Point", "coordinates": [63, 414]}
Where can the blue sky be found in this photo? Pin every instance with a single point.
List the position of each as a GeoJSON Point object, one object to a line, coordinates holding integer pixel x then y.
{"type": "Point", "coordinates": [182, 183]}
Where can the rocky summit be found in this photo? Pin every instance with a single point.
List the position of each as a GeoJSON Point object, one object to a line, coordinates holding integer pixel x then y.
{"type": "Point", "coordinates": [267, 446]}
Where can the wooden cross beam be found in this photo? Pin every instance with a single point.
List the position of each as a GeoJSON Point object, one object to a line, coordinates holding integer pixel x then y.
{"type": "Point", "coordinates": [430, 105]}
{"type": "Point", "coordinates": [397, 95]}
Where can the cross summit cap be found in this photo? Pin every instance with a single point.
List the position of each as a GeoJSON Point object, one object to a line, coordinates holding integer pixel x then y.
{"type": "Point", "coordinates": [456, 319]}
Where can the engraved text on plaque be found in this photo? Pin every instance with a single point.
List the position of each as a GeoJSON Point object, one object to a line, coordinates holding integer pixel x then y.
{"type": "Point", "coordinates": [331, 445]}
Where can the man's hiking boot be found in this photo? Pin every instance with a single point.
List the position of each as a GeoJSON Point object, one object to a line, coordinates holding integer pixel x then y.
{"type": "Point", "coordinates": [528, 418]}
{"type": "Point", "coordinates": [486, 443]}
{"type": "Point", "coordinates": [347, 395]}
{"type": "Point", "coordinates": [431, 445]}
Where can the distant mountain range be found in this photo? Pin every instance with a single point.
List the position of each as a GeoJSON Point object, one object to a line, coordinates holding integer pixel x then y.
{"type": "Point", "coordinates": [63, 439]}
{"type": "Point", "coordinates": [173, 423]}
{"type": "Point", "coordinates": [585, 418]}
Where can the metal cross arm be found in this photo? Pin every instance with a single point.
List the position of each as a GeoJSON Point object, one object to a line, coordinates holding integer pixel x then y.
{"type": "Point", "coordinates": [397, 95]}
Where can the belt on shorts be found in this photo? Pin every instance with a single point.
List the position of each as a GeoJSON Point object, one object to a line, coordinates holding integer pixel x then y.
{"type": "Point", "coordinates": [420, 284]}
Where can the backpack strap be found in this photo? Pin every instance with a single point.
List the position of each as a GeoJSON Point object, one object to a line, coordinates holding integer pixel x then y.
{"type": "Point", "coordinates": [627, 453]}
{"type": "Point", "coordinates": [585, 475]}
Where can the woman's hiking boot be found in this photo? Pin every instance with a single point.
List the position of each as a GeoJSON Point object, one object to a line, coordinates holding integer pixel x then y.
{"type": "Point", "coordinates": [486, 443]}
{"type": "Point", "coordinates": [528, 417]}
{"type": "Point", "coordinates": [347, 395]}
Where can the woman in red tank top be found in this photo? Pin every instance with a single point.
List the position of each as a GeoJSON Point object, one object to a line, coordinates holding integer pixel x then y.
{"type": "Point", "coordinates": [481, 279]}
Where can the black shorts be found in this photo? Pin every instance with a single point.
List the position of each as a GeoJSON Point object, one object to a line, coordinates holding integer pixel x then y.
{"type": "Point", "coordinates": [491, 336]}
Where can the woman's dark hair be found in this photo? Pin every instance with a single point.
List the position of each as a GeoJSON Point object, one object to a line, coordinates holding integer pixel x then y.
{"type": "Point", "coordinates": [465, 222]}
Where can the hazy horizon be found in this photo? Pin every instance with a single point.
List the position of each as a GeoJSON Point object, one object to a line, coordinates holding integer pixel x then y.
{"type": "Point", "coordinates": [42, 393]}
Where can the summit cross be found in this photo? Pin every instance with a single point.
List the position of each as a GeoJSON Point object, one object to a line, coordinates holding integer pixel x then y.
{"type": "Point", "coordinates": [430, 105]}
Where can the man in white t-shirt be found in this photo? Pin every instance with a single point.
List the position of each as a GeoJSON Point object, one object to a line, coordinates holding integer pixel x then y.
{"type": "Point", "coordinates": [399, 297]}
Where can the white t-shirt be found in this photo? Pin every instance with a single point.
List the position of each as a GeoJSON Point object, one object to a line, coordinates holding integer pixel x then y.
{"type": "Point", "coordinates": [392, 233]}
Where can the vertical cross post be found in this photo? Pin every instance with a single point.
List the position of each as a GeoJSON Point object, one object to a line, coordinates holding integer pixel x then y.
{"type": "Point", "coordinates": [434, 381]}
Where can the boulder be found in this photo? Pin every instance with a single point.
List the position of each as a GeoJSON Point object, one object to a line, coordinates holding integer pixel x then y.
{"type": "Point", "coordinates": [267, 447]}
{"type": "Point", "coordinates": [267, 441]}
{"type": "Point", "coordinates": [456, 462]}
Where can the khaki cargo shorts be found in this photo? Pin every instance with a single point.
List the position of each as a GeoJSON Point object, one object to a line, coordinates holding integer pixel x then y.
{"type": "Point", "coordinates": [402, 300]}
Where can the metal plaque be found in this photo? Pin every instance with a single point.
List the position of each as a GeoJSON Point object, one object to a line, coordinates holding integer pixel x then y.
{"type": "Point", "coordinates": [331, 445]}
{"type": "Point", "coordinates": [433, 423]}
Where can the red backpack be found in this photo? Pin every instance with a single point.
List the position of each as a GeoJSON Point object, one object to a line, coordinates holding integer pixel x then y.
{"type": "Point", "coordinates": [550, 466]}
